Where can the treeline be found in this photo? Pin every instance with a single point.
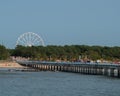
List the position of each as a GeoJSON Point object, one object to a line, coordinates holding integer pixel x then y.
{"type": "Point", "coordinates": [72, 52]}
{"type": "Point", "coordinates": [69, 53]}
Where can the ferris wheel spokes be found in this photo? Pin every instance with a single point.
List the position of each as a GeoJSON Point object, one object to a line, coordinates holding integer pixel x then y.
{"type": "Point", "coordinates": [30, 39]}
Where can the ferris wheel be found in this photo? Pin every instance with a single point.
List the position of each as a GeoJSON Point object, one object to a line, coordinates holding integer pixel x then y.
{"type": "Point", "coordinates": [30, 39]}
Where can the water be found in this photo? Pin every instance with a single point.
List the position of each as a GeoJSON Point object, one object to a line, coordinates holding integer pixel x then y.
{"type": "Point", "coordinates": [57, 84]}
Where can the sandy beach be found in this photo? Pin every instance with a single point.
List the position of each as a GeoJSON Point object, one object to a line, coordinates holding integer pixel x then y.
{"type": "Point", "coordinates": [9, 64]}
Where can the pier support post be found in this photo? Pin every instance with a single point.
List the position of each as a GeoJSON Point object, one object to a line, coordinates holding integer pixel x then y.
{"type": "Point", "coordinates": [112, 72]}
{"type": "Point", "coordinates": [118, 72]}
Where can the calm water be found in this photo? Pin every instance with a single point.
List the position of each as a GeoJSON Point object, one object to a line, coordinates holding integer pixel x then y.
{"type": "Point", "coordinates": [57, 84]}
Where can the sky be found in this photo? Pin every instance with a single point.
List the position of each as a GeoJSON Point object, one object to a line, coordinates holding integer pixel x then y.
{"type": "Point", "coordinates": [61, 22]}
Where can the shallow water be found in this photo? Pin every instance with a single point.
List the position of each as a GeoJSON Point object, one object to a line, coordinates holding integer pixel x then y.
{"type": "Point", "coordinates": [57, 84]}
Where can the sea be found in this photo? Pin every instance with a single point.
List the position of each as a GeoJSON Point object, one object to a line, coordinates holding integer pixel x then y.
{"type": "Point", "coordinates": [46, 83]}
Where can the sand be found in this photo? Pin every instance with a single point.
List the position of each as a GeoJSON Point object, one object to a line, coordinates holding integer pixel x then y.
{"type": "Point", "coordinates": [10, 64]}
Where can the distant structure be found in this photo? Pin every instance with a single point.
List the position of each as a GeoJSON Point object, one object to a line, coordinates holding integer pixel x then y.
{"type": "Point", "coordinates": [30, 39]}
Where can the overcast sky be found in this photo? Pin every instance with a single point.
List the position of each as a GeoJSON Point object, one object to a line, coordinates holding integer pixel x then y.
{"type": "Point", "coordinates": [61, 22]}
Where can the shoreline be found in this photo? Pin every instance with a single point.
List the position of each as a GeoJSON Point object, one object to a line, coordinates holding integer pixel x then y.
{"type": "Point", "coordinates": [10, 64]}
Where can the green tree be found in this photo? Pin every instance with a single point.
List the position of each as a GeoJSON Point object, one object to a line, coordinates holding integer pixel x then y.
{"type": "Point", "coordinates": [4, 53]}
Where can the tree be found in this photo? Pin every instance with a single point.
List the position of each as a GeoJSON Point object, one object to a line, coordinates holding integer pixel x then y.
{"type": "Point", "coordinates": [4, 54]}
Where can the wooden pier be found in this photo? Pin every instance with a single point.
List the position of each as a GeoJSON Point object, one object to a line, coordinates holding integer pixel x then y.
{"type": "Point", "coordinates": [112, 70]}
